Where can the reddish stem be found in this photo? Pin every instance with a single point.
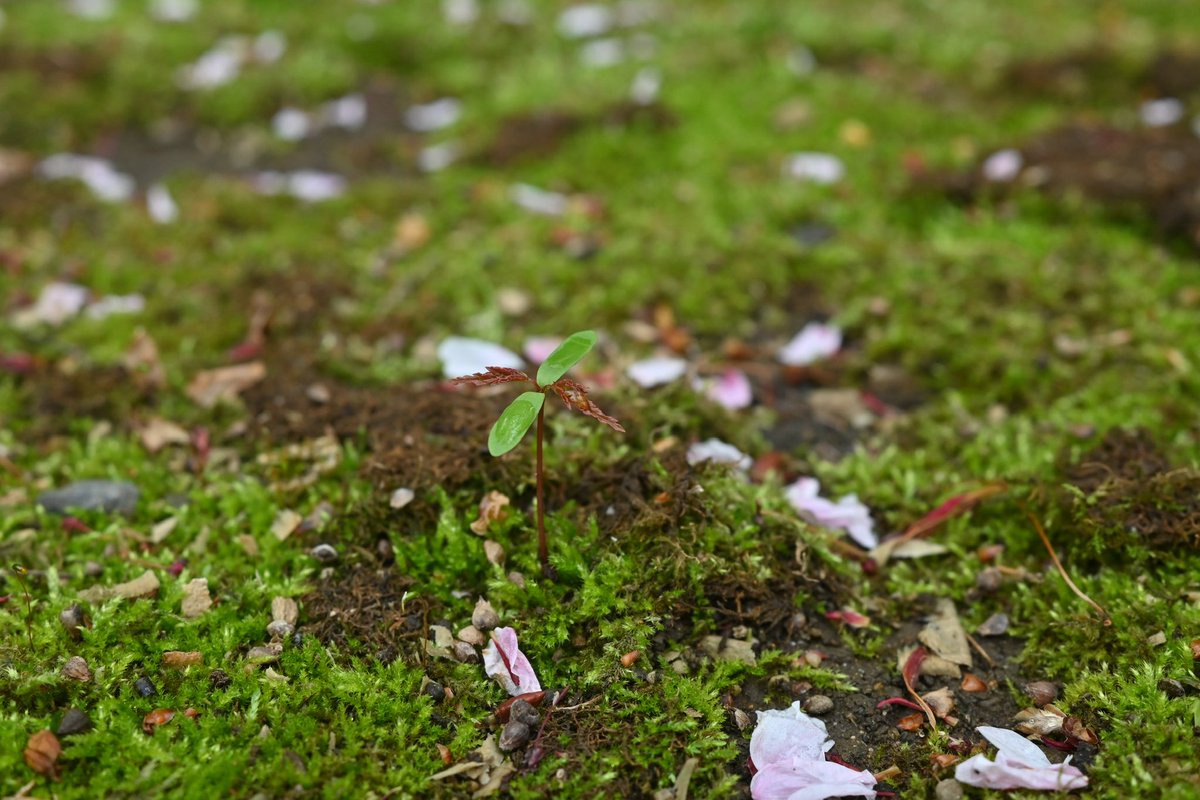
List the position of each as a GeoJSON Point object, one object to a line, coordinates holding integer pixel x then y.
{"type": "Point", "coordinates": [543, 549]}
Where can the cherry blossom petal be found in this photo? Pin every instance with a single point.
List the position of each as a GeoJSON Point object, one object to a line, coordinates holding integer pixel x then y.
{"type": "Point", "coordinates": [732, 390]}
{"type": "Point", "coordinates": [848, 513]}
{"type": "Point", "coordinates": [58, 302]}
{"type": "Point", "coordinates": [815, 342]}
{"type": "Point", "coordinates": [783, 735]}
{"type": "Point", "coordinates": [538, 348]}
{"type": "Point", "coordinates": [1019, 764]}
{"type": "Point", "coordinates": [811, 780]}
{"type": "Point", "coordinates": [718, 452]}
{"type": "Point", "coordinates": [461, 355]}
{"type": "Point", "coordinates": [653, 372]}
{"type": "Point", "coordinates": [504, 661]}
{"type": "Point", "coordinates": [821, 168]}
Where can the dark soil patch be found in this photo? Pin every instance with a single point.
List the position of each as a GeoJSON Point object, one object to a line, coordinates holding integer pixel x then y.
{"type": "Point", "coordinates": [541, 133]}
{"type": "Point", "coordinates": [363, 610]}
{"type": "Point", "coordinates": [1174, 74]}
{"type": "Point", "coordinates": [1146, 173]}
{"type": "Point", "coordinates": [1120, 455]}
{"type": "Point", "coordinates": [636, 494]}
{"type": "Point", "coordinates": [107, 393]}
{"type": "Point", "coordinates": [1089, 75]}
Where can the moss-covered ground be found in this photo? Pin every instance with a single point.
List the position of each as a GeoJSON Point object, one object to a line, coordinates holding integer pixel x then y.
{"type": "Point", "coordinates": [1044, 340]}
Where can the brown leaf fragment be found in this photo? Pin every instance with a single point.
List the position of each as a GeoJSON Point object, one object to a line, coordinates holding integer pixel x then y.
{"type": "Point", "coordinates": [42, 752]}
{"type": "Point", "coordinates": [142, 362]}
{"type": "Point", "coordinates": [911, 722]}
{"type": "Point", "coordinates": [144, 585]}
{"type": "Point", "coordinates": [224, 384]}
{"type": "Point", "coordinates": [944, 760]}
{"type": "Point", "coordinates": [492, 376]}
{"type": "Point", "coordinates": [179, 659]}
{"type": "Point", "coordinates": [159, 716]}
{"type": "Point", "coordinates": [1039, 721]}
{"type": "Point", "coordinates": [944, 635]}
{"type": "Point", "coordinates": [77, 669]}
{"type": "Point", "coordinates": [491, 509]}
{"type": "Point", "coordinates": [941, 701]}
{"type": "Point", "coordinates": [157, 433]}
{"type": "Point", "coordinates": [1074, 727]}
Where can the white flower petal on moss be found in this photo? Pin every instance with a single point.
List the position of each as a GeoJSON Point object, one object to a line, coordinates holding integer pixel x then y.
{"type": "Point", "coordinates": [718, 452]}
{"type": "Point", "coordinates": [816, 341]}
{"type": "Point", "coordinates": [461, 355]}
{"type": "Point", "coordinates": [652, 372]}
{"type": "Point", "coordinates": [848, 513]}
{"type": "Point", "coordinates": [504, 661]}
{"type": "Point", "coordinates": [1019, 764]}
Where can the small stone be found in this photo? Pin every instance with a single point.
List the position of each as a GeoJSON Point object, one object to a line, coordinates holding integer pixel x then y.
{"type": "Point", "coordinates": [266, 654]}
{"type": "Point", "coordinates": [73, 722]}
{"type": "Point", "coordinates": [179, 659]}
{"type": "Point", "coordinates": [779, 683]}
{"type": "Point", "coordinates": [144, 585]}
{"type": "Point", "coordinates": [284, 609]}
{"type": "Point", "coordinates": [514, 735]}
{"type": "Point", "coordinates": [401, 497]}
{"type": "Point", "coordinates": [465, 653]}
{"type": "Point", "coordinates": [949, 789]}
{"type": "Point", "coordinates": [92, 569]}
{"type": "Point", "coordinates": [484, 617]}
{"type": "Point", "coordinates": [817, 705]}
{"type": "Point", "coordinates": [145, 687]}
{"type": "Point", "coordinates": [442, 637]}
{"type": "Point", "coordinates": [278, 629]}
{"type": "Point", "coordinates": [493, 551]}
{"type": "Point", "coordinates": [111, 496]}
{"type": "Point", "coordinates": [1041, 692]}
{"type": "Point", "coordinates": [989, 580]}
{"type": "Point", "coordinates": [196, 599]}
{"type": "Point", "coordinates": [516, 579]}
{"type": "Point", "coordinates": [219, 679]}
{"type": "Point", "coordinates": [522, 711]}
{"type": "Point", "coordinates": [472, 636]}
{"type": "Point", "coordinates": [385, 551]}
{"type": "Point", "coordinates": [318, 393]}
{"type": "Point", "coordinates": [1156, 639]}
{"type": "Point", "coordinates": [1172, 688]}
{"type": "Point", "coordinates": [72, 619]}
{"type": "Point", "coordinates": [723, 649]}
{"type": "Point", "coordinates": [741, 719]}
{"type": "Point", "coordinates": [77, 670]}
{"type": "Point", "coordinates": [435, 691]}
{"type": "Point", "coordinates": [325, 553]}
{"type": "Point", "coordinates": [995, 625]}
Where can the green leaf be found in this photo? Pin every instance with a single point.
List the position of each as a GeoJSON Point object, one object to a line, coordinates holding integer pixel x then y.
{"type": "Point", "coordinates": [514, 422]}
{"type": "Point", "coordinates": [565, 356]}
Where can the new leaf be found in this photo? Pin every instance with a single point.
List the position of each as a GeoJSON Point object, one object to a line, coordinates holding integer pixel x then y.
{"type": "Point", "coordinates": [565, 356]}
{"type": "Point", "coordinates": [514, 422]}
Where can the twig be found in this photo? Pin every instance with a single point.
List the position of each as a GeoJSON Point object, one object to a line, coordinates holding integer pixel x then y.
{"type": "Point", "coordinates": [1054, 557]}
{"type": "Point", "coordinates": [979, 648]}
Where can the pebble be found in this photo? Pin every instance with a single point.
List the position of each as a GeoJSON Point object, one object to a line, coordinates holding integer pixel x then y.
{"type": "Point", "coordinates": [77, 669]}
{"type": "Point", "coordinates": [484, 617]}
{"type": "Point", "coordinates": [817, 705]}
{"type": "Point", "coordinates": [145, 687]}
{"type": "Point", "coordinates": [723, 649]}
{"type": "Point", "coordinates": [522, 711]}
{"type": "Point", "coordinates": [514, 735]}
{"type": "Point", "coordinates": [949, 789]}
{"type": "Point", "coordinates": [1041, 692]}
{"type": "Point", "coordinates": [465, 653]}
{"type": "Point", "coordinates": [285, 609]}
{"type": "Point", "coordinates": [995, 625]}
{"type": "Point", "coordinates": [401, 497]}
{"type": "Point", "coordinates": [325, 553]}
{"type": "Point", "coordinates": [267, 654]}
{"type": "Point", "coordinates": [73, 722]}
{"type": "Point", "coordinates": [112, 496]}
{"type": "Point", "coordinates": [1172, 688]}
{"type": "Point", "coordinates": [435, 691]}
{"type": "Point", "coordinates": [473, 636]}
{"type": "Point", "coordinates": [196, 599]}
{"type": "Point", "coordinates": [279, 629]}
{"type": "Point", "coordinates": [72, 619]}
{"type": "Point", "coordinates": [219, 679]}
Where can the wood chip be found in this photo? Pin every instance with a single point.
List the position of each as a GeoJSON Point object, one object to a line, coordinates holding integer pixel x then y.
{"type": "Point", "coordinates": [224, 384]}
{"type": "Point", "coordinates": [285, 524]}
{"type": "Point", "coordinates": [196, 599]}
{"type": "Point", "coordinates": [144, 585]}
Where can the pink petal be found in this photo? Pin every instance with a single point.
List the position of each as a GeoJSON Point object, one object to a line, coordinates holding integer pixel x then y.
{"type": "Point", "coordinates": [504, 661]}
{"type": "Point", "coordinates": [810, 780]}
{"type": "Point", "coordinates": [848, 513]}
{"type": "Point", "coordinates": [718, 452]}
{"type": "Point", "coordinates": [539, 348]}
{"type": "Point", "coordinates": [815, 342]}
{"type": "Point", "coordinates": [731, 390]}
{"type": "Point", "coordinates": [1019, 764]}
{"type": "Point", "coordinates": [783, 735]}
{"type": "Point", "coordinates": [656, 371]}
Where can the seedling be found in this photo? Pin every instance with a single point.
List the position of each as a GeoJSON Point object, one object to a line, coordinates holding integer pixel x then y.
{"type": "Point", "coordinates": [515, 421]}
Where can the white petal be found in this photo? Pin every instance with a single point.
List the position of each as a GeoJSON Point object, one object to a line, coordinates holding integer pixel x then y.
{"type": "Point", "coordinates": [581, 21]}
{"type": "Point", "coordinates": [815, 167]}
{"type": "Point", "coordinates": [433, 116]}
{"type": "Point", "coordinates": [718, 452]}
{"type": "Point", "coordinates": [463, 356]}
{"type": "Point", "coordinates": [814, 342]}
{"type": "Point", "coordinates": [539, 201]}
{"type": "Point", "coordinates": [653, 372]}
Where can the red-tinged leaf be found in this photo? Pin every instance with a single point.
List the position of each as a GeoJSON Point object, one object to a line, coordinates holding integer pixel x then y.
{"type": "Point", "coordinates": [897, 701]}
{"type": "Point", "coordinates": [4, 598]}
{"type": "Point", "coordinates": [191, 713]}
{"type": "Point", "coordinates": [944, 760]}
{"type": "Point", "coordinates": [177, 566]}
{"type": "Point", "coordinates": [159, 716]}
{"type": "Point", "coordinates": [912, 667]}
{"type": "Point", "coordinates": [1074, 727]}
{"type": "Point", "coordinates": [1067, 745]}
{"type": "Point", "coordinates": [912, 722]}
{"type": "Point", "coordinates": [492, 376]}
{"type": "Point", "coordinates": [848, 616]}
{"type": "Point", "coordinates": [75, 525]}
{"type": "Point", "coordinates": [18, 363]}
{"type": "Point", "coordinates": [952, 507]}
{"type": "Point", "coordinates": [245, 351]}
{"type": "Point", "coordinates": [533, 698]}
{"type": "Point", "coordinates": [575, 397]}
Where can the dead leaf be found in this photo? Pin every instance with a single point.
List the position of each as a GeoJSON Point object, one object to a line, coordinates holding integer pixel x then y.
{"type": "Point", "coordinates": [973, 683]}
{"type": "Point", "coordinates": [911, 722]}
{"type": "Point", "coordinates": [141, 360]}
{"type": "Point", "coordinates": [157, 433]}
{"type": "Point", "coordinates": [286, 521]}
{"type": "Point", "coordinates": [179, 659]}
{"type": "Point", "coordinates": [1074, 727]}
{"type": "Point", "coordinates": [685, 777]}
{"type": "Point", "coordinates": [944, 635]}
{"type": "Point", "coordinates": [196, 599]}
{"type": "Point", "coordinates": [224, 384]}
{"type": "Point", "coordinates": [42, 752]}
{"type": "Point", "coordinates": [144, 585]}
{"type": "Point", "coordinates": [1039, 721]}
{"type": "Point", "coordinates": [919, 548]}
{"type": "Point", "coordinates": [941, 701]}
{"type": "Point", "coordinates": [491, 509]}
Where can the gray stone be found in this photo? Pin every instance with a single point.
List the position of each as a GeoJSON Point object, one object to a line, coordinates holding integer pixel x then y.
{"type": "Point", "coordinates": [817, 705]}
{"type": "Point", "coordinates": [73, 722]}
{"type": "Point", "coordinates": [112, 496]}
{"type": "Point", "coordinates": [514, 735]}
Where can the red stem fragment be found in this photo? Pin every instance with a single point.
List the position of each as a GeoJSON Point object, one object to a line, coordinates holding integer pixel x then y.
{"type": "Point", "coordinates": [912, 668]}
{"type": "Point", "coordinates": [898, 701]}
{"type": "Point", "coordinates": [543, 548]}
{"type": "Point", "coordinates": [1058, 564]}
{"type": "Point", "coordinates": [955, 505]}
{"type": "Point", "coordinates": [505, 709]}
{"type": "Point", "coordinates": [536, 751]}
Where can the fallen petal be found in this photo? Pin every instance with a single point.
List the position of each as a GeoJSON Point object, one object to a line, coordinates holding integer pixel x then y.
{"type": "Point", "coordinates": [815, 341]}
{"type": "Point", "coordinates": [653, 372]}
{"type": "Point", "coordinates": [463, 356]}
{"type": "Point", "coordinates": [504, 661]}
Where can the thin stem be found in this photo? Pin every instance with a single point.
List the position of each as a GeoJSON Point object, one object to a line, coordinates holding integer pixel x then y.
{"type": "Point", "coordinates": [543, 549]}
{"type": "Point", "coordinates": [1041, 532]}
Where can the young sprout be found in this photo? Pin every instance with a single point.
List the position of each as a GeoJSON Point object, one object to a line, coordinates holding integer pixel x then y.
{"type": "Point", "coordinates": [521, 413]}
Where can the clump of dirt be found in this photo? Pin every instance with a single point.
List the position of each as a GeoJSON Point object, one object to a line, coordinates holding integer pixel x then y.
{"type": "Point", "coordinates": [106, 393]}
{"type": "Point", "coordinates": [1135, 498]}
{"type": "Point", "coordinates": [1174, 74]}
{"type": "Point", "coordinates": [1149, 173]}
{"type": "Point", "coordinates": [637, 493]}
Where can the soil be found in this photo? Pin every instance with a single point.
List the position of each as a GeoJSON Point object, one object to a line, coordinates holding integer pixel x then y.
{"type": "Point", "coordinates": [540, 133]}
{"type": "Point", "coordinates": [1147, 173]}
